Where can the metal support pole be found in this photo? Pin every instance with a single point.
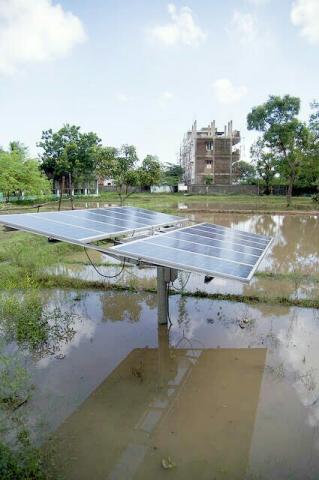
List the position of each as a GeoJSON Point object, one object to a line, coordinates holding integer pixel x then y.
{"type": "Point", "coordinates": [162, 296]}
{"type": "Point", "coordinates": [164, 277]}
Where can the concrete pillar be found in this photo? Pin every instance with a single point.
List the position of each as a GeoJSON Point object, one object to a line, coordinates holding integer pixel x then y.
{"type": "Point", "coordinates": [164, 277]}
{"type": "Point", "coordinates": [162, 296]}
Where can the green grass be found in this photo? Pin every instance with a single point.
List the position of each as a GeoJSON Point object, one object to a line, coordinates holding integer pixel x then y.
{"type": "Point", "coordinates": [169, 202]}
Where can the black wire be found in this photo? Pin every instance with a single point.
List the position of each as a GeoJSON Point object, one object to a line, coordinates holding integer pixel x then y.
{"type": "Point", "coordinates": [102, 274]}
{"type": "Point", "coordinates": [183, 285]}
{"type": "Point", "coordinates": [168, 314]}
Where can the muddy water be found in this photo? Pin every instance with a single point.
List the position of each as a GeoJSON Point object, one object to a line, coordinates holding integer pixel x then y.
{"type": "Point", "coordinates": [295, 251]}
{"type": "Point", "coordinates": [230, 391]}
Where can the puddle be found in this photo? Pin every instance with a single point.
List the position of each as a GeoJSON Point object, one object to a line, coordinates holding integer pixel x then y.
{"type": "Point", "coordinates": [230, 391]}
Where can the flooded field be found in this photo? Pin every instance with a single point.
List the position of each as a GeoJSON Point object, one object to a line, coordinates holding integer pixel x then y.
{"type": "Point", "coordinates": [229, 391]}
{"type": "Point", "coordinates": [291, 269]}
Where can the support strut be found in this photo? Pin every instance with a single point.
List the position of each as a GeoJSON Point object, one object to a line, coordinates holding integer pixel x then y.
{"type": "Point", "coordinates": [164, 277]}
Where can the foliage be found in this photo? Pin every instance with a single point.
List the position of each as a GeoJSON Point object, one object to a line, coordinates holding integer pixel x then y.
{"type": "Point", "coordinates": [15, 386]}
{"type": "Point", "coordinates": [20, 174]}
{"type": "Point", "coordinates": [24, 319]}
{"type": "Point", "coordinates": [22, 464]}
{"type": "Point", "coordinates": [285, 135]}
{"type": "Point", "coordinates": [208, 180]}
{"type": "Point", "coordinates": [172, 174]}
{"type": "Point", "coordinates": [246, 172]}
{"type": "Point", "coordinates": [68, 153]}
{"type": "Point", "coordinates": [105, 161]}
{"type": "Point", "coordinates": [266, 163]}
{"type": "Point", "coordinates": [150, 171]}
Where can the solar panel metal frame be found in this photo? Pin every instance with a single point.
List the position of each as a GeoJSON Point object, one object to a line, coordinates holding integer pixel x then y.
{"type": "Point", "coordinates": [87, 240]}
{"type": "Point", "coordinates": [120, 250]}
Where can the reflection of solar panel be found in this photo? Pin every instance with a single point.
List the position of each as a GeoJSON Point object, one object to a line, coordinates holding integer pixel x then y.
{"type": "Point", "coordinates": [210, 249]}
{"type": "Point", "coordinates": [83, 226]}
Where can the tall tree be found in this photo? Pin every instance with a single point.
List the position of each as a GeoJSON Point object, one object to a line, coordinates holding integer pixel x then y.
{"type": "Point", "coordinates": [265, 162]}
{"type": "Point", "coordinates": [173, 174]}
{"type": "Point", "coordinates": [312, 164]}
{"type": "Point", "coordinates": [68, 154]}
{"type": "Point", "coordinates": [150, 171]}
{"type": "Point", "coordinates": [20, 174]}
{"type": "Point", "coordinates": [246, 172]}
{"type": "Point", "coordinates": [124, 171]}
{"type": "Point", "coordinates": [283, 133]}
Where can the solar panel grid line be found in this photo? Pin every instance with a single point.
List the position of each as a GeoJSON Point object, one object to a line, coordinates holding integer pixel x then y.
{"type": "Point", "coordinates": [238, 232]}
{"type": "Point", "coordinates": [214, 235]}
{"type": "Point", "coordinates": [65, 223]}
{"type": "Point", "coordinates": [47, 231]}
{"type": "Point", "coordinates": [239, 236]}
{"type": "Point", "coordinates": [142, 215]}
{"type": "Point", "coordinates": [115, 222]}
{"type": "Point", "coordinates": [233, 235]}
{"type": "Point", "coordinates": [98, 224]}
{"type": "Point", "coordinates": [76, 227]}
{"type": "Point", "coordinates": [221, 248]}
{"type": "Point", "coordinates": [183, 265]}
{"type": "Point", "coordinates": [227, 245]}
{"type": "Point", "coordinates": [227, 251]}
{"type": "Point", "coordinates": [196, 253]}
{"type": "Point", "coordinates": [109, 220]}
{"type": "Point", "coordinates": [213, 266]}
{"type": "Point", "coordinates": [122, 217]}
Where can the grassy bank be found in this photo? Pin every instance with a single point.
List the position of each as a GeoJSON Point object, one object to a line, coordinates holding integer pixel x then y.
{"type": "Point", "coordinates": [175, 201]}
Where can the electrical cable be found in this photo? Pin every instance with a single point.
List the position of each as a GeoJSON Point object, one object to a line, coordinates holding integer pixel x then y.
{"type": "Point", "coordinates": [102, 274]}
{"type": "Point", "coordinates": [183, 285]}
{"type": "Point", "coordinates": [168, 314]}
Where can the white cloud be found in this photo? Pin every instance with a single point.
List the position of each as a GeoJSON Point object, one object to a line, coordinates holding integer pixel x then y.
{"type": "Point", "coordinates": [305, 14]}
{"type": "Point", "coordinates": [244, 25]}
{"type": "Point", "coordinates": [35, 31]}
{"type": "Point", "coordinates": [166, 96]}
{"type": "Point", "coordinates": [227, 93]}
{"type": "Point", "coordinates": [182, 29]}
{"type": "Point", "coordinates": [121, 97]}
{"type": "Point", "coordinates": [258, 3]}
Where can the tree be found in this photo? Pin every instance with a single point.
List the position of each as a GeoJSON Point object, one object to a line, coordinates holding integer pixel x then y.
{"type": "Point", "coordinates": [124, 171]}
{"type": "Point", "coordinates": [20, 174]}
{"type": "Point", "coordinates": [150, 171]}
{"type": "Point", "coordinates": [246, 172]}
{"type": "Point", "coordinates": [311, 170]}
{"type": "Point", "coordinates": [265, 162]}
{"type": "Point", "coordinates": [68, 154]}
{"type": "Point", "coordinates": [285, 135]}
{"type": "Point", "coordinates": [173, 174]}
{"type": "Point", "coordinates": [105, 158]}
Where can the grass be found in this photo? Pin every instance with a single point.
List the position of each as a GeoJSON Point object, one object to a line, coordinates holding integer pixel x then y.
{"type": "Point", "coordinates": [169, 202]}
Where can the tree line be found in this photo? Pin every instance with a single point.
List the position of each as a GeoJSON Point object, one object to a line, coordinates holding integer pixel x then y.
{"type": "Point", "coordinates": [70, 157]}
{"type": "Point", "coordinates": [287, 149]}
{"type": "Point", "coordinates": [286, 152]}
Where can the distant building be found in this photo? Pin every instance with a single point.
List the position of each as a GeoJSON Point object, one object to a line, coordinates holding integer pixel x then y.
{"type": "Point", "coordinates": [209, 156]}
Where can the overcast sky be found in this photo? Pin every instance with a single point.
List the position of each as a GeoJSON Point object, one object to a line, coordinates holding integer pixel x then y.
{"type": "Point", "coordinates": [141, 71]}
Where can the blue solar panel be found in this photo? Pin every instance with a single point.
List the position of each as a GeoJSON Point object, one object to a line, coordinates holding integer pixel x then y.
{"type": "Point", "coordinates": [84, 226]}
{"type": "Point", "coordinates": [205, 248]}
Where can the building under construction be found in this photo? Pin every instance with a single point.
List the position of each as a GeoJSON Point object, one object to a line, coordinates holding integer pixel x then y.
{"type": "Point", "coordinates": [210, 156]}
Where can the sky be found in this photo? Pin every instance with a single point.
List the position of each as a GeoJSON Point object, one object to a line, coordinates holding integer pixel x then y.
{"type": "Point", "coordinates": [141, 71]}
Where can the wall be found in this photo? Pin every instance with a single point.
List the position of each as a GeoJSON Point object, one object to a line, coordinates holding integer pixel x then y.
{"type": "Point", "coordinates": [224, 189]}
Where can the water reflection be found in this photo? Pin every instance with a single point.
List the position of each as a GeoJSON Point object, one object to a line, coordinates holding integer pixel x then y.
{"type": "Point", "coordinates": [161, 408]}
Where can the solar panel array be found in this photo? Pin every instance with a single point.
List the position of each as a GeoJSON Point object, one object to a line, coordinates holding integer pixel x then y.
{"type": "Point", "coordinates": [205, 248]}
{"type": "Point", "coordinates": [84, 226]}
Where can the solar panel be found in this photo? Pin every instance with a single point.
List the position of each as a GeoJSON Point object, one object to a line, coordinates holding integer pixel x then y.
{"type": "Point", "coordinates": [84, 226]}
{"type": "Point", "coordinates": [205, 248]}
